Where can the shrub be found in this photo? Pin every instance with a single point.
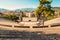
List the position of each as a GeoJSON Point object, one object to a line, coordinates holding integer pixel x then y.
{"type": "Point", "coordinates": [10, 17]}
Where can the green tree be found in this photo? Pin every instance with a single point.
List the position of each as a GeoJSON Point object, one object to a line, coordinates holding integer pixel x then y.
{"type": "Point", "coordinates": [33, 15]}
{"type": "Point", "coordinates": [10, 17]}
{"type": "Point", "coordinates": [44, 10]}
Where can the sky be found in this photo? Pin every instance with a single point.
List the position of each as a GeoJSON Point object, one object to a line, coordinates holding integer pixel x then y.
{"type": "Point", "coordinates": [16, 4]}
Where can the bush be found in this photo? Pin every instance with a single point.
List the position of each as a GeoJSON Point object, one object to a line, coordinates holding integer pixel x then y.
{"type": "Point", "coordinates": [10, 17]}
{"type": "Point", "coordinates": [33, 15]}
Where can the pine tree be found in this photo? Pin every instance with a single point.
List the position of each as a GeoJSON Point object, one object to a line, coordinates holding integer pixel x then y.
{"type": "Point", "coordinates": [44, 10]}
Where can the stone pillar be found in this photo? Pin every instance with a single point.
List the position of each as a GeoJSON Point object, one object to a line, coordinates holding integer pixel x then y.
{"type": "Point", "coordinates": [58, 14]}
{"type": "Point", "coordinates": [12, 26]}
{"type": "Point", "coordinates": [31, 27]}
{"type": "Point", "coordinates": [49, 26]}
{"type": "Point", "coordinates": [29, 15]}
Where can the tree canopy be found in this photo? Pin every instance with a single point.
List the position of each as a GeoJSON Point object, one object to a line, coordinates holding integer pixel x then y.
{"type": "Point", "coordinates": [44, 9]}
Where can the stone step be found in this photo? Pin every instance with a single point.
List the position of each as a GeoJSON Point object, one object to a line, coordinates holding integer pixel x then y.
{"type": "Point", "coordinates": [23, 35]}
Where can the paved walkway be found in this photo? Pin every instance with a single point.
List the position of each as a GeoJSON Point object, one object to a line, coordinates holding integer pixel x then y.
{"type": "Point", "coordinates": [53, 21]}
{"type": "Point", "coordinates": [7, 22]}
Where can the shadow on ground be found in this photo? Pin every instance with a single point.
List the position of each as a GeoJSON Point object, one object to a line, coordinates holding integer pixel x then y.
{"type": "Point", "coordinates": [23, 35]}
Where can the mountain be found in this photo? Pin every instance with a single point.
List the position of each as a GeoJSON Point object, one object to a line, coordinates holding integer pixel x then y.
{"type": "Point", "coordinates": [3, 10]}
{"type": "Point", "coordinates": [26, 9]}
{"type": "Point", "coordinates": [56, 8]}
